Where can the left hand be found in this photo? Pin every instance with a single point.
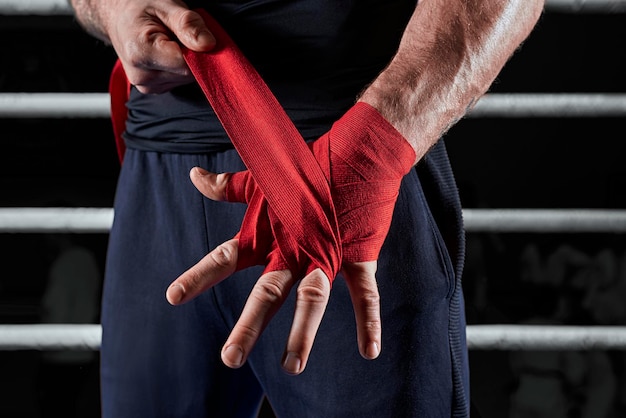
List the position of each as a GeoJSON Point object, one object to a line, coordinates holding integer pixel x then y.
{"type": "Point", "coordinates": [271, 290]}
{"type": "Point", "coordinates": [364, 159]}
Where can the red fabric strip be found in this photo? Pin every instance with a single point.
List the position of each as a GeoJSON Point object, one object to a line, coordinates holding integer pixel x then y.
{"type": "Point", "coordinates": [308, 205]}
{"type": "Point", "coordinates": [295, 187]}
{"type": "Point", "coordinates": [119, 91]}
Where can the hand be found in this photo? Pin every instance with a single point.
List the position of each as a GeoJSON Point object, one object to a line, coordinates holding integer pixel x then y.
{"type": "Point", "coordinates": [271, 290]}
{"type": "Point", "coordinates": [146, 35]}
{"type": "Point", "coordinates": [364, 184]}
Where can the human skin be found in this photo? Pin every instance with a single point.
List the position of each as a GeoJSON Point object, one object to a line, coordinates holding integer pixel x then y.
{"type": "Point", "coordinates": [449, 55]}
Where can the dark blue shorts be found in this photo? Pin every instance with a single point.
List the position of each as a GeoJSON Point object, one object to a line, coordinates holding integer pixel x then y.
{"type": "Point", "coordinates": [164, 361]}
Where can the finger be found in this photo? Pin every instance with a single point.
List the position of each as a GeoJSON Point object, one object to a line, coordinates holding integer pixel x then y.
{"type": "Point", "coordinates": [267, 296]}
{"type": "Point", "coordinates": [211, 185]}
{"type": "Point", "coordinates": [361, 281]}
{"type": "Point", "coordinates": [311, 301]}
{"type": "Point", "coordinates": [231, 187]}
{"type": "Point", "coordinates": [212, 269]}
{"type": "Point", "coordinates": [154, 64]}
{"type": "Point", "coordinates": [189, 27]}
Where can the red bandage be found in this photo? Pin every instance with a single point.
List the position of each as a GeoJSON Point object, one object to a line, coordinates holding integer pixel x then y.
{"type": "Point", "coordinates": [119, 91]}
{"type": "Point", "coordinates": [311, 219]}
{"type": "Point", "coordinates": [305, 209]}
{"type": "Point", "coordinates": [364, 159]}
{"type": "Point", "coordinates": [299, 204]}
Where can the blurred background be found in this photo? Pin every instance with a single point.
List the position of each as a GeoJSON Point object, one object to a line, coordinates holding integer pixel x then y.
{"type": "Point", "coordinates": [510, 278]}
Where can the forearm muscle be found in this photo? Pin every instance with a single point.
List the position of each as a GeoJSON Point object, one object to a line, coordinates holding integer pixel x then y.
{"type": "Point", "coordinates": [89, 13]}
{"type": "Point", "coordinates": [449, 55]}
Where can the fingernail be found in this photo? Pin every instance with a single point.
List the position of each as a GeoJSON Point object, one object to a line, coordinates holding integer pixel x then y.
{"type": "Point", "coordinates": [233, 354]}
{"type": "Point", "coordinates": [372, 351]}
{"type": "Point", "coordinates": [206, 38]}
{"type": "Point", "coordinates": [175, 293]}
{"type": "Point", "coordinates": [291, 363]}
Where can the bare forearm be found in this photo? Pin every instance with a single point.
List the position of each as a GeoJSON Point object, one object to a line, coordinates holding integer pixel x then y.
{"type": "Point", "coordinates": [89, 14]}
{"type": "Point", "coordinates": [449, 55]}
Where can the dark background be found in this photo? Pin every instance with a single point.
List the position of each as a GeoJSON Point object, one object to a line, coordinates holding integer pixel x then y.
{"type": "Point", "coordinates": [499, 163]}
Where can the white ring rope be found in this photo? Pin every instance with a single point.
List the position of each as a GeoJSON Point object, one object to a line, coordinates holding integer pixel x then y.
{"type": "Point", "coordinates": [99, 220]}
{"type": "Point", "coordinates": [35, 7]}
{"type": "Point", "coordinates": [545, 337]}
{"type": "Point", "coordinates": [534, 105]}
{"type": "Point", "coordinates": [55, 105]}
{"type": "Point", "coordinates": [586, 6]}
{"type": "Point", "coordinates": [507, 105]}
{"type": "Point", "coordinates": [47, 220]}
{"type": "Point", "coordinates": [68, 337]}
{"type": "Point", "coordinates": [545, 220]}
{"type": "Point", "coordinates": [61, 7]}
{"type": "Point", "coordinates": [50, 337]}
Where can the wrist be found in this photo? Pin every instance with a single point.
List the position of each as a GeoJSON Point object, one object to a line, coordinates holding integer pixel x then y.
{"type": "Point", "coordinates": [91, 15]}
{"type": "Point", "coordinates": [368, 158]}
{"type": "Point", "coordinates": [365, 134]}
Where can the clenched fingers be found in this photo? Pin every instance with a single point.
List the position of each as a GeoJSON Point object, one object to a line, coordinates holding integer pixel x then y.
{"type": "Point", "coordinates": [188, 27]}
{"type": "Point", "coordinates": [148, 42]}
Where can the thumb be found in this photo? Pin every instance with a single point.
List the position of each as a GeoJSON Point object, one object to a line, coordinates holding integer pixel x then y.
{"type": "Point", "coordinates": [231, 187]}
{"type": "Point", "coordinates": [211, 185]}
{"type": "Point", "coordinates": [190, 29]}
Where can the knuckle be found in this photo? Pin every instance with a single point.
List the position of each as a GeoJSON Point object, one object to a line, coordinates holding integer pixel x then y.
{"type": "Point", "coordinates": [136, 50]}
{"type": "Point", "coordinates": [372, 326]}
{"type": "Point", "coordinates": [247, 332]}
{"type": "Point", "coordinates": [185, 23]}
{"type": "Point", "coordinates": [183, 18]}
{"type": "Point", "coordinates": [314, 293]}
{"type": "Point", "coordinates": [193, 279]}
{"type": "Point", "coordinates": [269, 290]}
{"type": "Point", "coordinates": [370, 298]}
{"type": "Point", "coordinates": [223, 255]}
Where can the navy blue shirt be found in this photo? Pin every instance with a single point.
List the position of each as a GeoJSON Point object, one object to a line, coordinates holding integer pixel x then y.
{"type": "Point", "coordinates": [316, 57]}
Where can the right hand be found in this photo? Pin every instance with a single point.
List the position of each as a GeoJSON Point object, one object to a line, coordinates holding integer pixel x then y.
{"type": "Point", "coordinates": [146, 35]}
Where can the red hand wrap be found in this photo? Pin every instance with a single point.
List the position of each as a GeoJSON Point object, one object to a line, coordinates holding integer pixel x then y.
{"type": "Point", "coordinates": [119, 91]}
{"type": "Point", "coordinates": [304, 208]}
{"type": "Point", "coordinates": [301, 209]}
{"type": "Point", "coordinates": [368, 158]}
{"type": "Point", "coordinates": [364, 157]}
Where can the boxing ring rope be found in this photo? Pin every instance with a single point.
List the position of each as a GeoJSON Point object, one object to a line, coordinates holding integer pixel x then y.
{"type": "Point", "coordinates": [81, 337]}
{"type": "Point", "coordinates": [503, 105]}
{"type": "Point", "coordinates": [98, 220]}
{"type": "Point", "coordinates": [588, 6]}
{"type": "Point", "coordinates": [545, 220]}
{"type": "Point", "coordinates": [44, 337]}
{"type": "Point", "coordinates": [52, 220]}
{"type": "Point", "coordinates": [60, 7]}
{"type": "Point", "coordinates": [479, 337]}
